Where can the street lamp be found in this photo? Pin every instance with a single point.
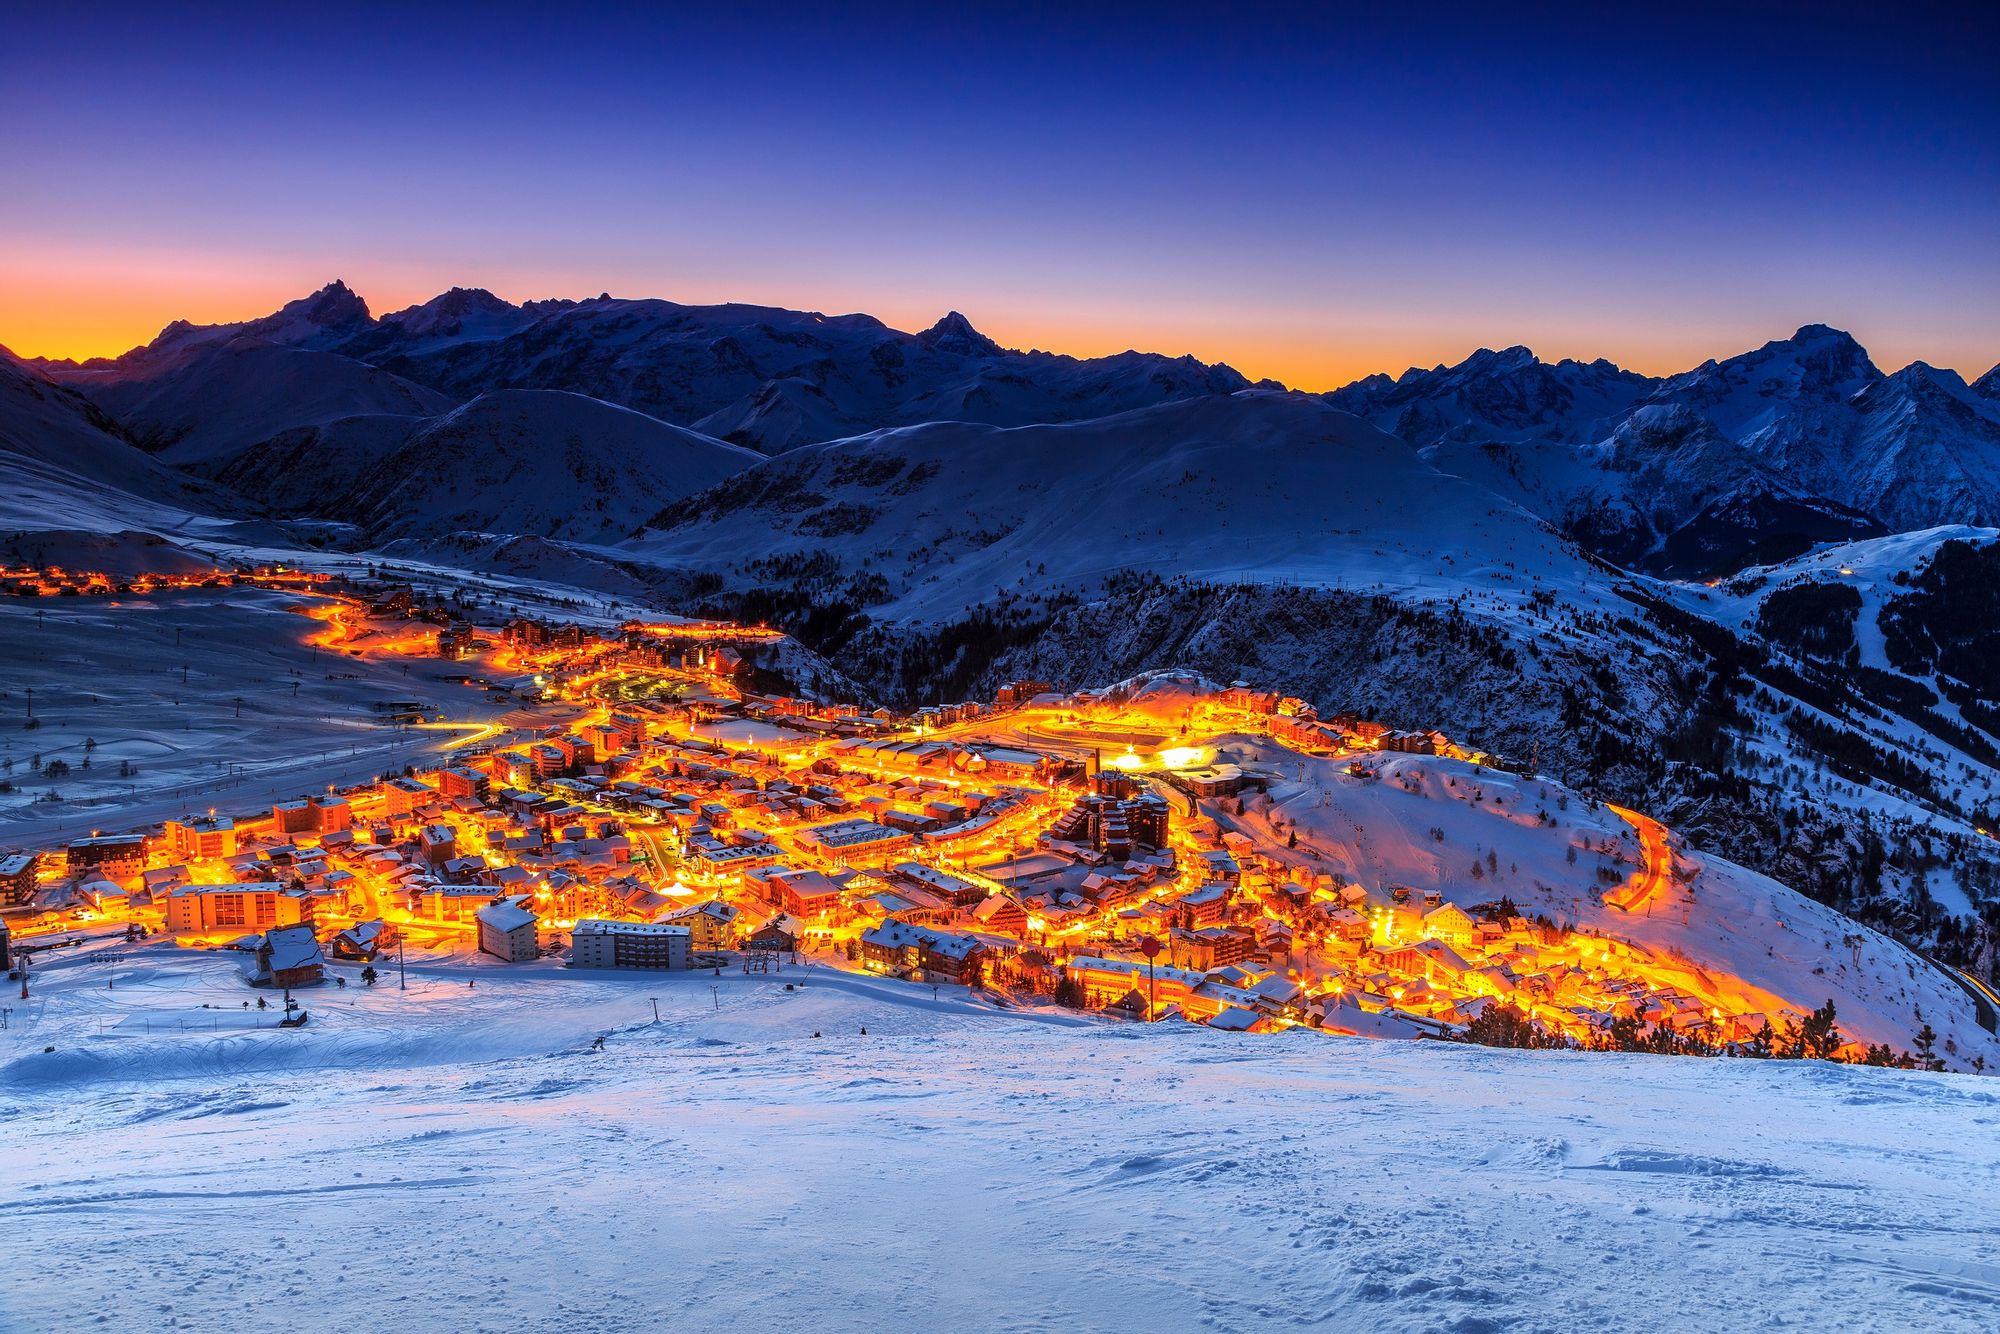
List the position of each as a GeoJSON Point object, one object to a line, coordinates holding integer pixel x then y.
{"type": "Point", "coordinates": [1150, 947]}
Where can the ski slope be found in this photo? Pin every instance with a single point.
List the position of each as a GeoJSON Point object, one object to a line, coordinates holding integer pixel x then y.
{"type": "Point", "coordinates": [454, 1157]}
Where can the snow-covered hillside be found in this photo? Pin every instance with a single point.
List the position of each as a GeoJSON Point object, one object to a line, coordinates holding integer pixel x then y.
{"type": "Point", "coordinates": [522, 462]}
{"type": "Point", "coordinates": [1878, 570]}
{"type": "Point", "coordinates": [1475, 835]}
{"type": "Point", "coordinates": [205, 405]}
{"type": "Point", "coordinates": [839, 1153]}
{"type": "Point", "coordinates": [64, 465]}
{"type": "Point", "coordinates": [1261, 485]}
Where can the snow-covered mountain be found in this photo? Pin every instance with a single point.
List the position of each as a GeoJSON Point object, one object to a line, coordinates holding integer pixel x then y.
{"type": "Point", "coordinates": [1263, 485]}
{"type": "Point", "coordinates": [1756, 457]}
{"type": "Point", "coordinates": [760, 376]}
{"type": "Point", "coordinates": [1506, 395]}
{"type": "Point", "coordinates": [65, 464]}
{"type": "Point", "coordinates": [522, 462]}
{"type": "Point", "coordinates": [197, 401]}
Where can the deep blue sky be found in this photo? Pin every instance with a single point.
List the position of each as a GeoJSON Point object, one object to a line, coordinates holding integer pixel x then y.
{"type": "Point", "coordinates": [1311, 198]}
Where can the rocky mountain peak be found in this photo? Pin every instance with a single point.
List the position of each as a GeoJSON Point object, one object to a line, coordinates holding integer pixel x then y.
{"type": "Point", "coordinates": [954, 333]}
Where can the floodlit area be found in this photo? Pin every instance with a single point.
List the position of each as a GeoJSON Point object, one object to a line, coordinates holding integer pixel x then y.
{"type": "Point", "coordinates": [1165, 849]}
{"type": "Point", "coordinates": [461, 1153]}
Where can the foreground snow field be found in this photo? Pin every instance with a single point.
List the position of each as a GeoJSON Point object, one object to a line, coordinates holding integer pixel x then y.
{"type": "Point", "coordinates": [456, 1157]}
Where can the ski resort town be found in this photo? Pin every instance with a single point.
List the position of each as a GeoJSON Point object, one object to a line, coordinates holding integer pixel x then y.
{"type": "Point", "coordinates": [1163, 849]}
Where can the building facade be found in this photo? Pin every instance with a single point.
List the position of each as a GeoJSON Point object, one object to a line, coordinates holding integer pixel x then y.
{"type": "Point", "coordinates": [596, 943]}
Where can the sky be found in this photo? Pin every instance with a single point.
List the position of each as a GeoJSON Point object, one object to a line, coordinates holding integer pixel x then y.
{"type": "Point", "coordinates": [1310, 196]}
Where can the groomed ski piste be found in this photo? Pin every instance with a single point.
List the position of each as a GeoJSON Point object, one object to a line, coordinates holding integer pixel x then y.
{"type": "Point", "coordinates": [811, 1149]}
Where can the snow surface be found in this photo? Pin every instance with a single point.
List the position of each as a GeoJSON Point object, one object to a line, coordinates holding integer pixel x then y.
{"type": "Point", "coordinates": [108, 669]}
{"type": "Point", "coordinates": [455, 1157]}
{"type": "Point", "coordinates": [1261, 486]}
{"type": "Point", "coordinates": [1870, 566]}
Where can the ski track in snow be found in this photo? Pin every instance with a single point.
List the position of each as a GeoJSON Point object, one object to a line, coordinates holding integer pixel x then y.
{"type": "Point", "coordinates": [456, 1156]}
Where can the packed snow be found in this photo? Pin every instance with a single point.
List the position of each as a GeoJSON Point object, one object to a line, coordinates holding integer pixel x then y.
{"type": "Point", "coordinates": [814, 1150]}
{"type": "Point", "coordinates": [211, 695]}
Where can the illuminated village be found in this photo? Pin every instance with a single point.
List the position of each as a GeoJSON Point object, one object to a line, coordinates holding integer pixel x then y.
{"type": "Point", "coordinates": [634, 805]}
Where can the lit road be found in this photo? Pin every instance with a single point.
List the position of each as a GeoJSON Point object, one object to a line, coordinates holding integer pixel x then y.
{"type": "Point", "coordinates": [1653, 876]}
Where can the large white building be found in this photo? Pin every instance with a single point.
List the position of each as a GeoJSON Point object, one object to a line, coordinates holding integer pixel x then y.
{"type": "Point", "coordinates": [507, 931]}
{"type": "Point", "coordinates": [597, 943]}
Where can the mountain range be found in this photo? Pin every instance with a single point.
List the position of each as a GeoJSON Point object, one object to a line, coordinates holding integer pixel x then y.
{"type": "Point", "coordinates": [1747, 596]}
{"type": "Point", "coordinates": [1753, 458]}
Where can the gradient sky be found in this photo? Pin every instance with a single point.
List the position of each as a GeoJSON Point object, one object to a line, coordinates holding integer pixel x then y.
{"type": "Point", "coordinates": [1310, 199]}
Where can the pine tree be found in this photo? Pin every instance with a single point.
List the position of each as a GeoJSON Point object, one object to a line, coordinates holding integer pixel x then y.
{"type": "Point", "coordinates": [1927, 1056]}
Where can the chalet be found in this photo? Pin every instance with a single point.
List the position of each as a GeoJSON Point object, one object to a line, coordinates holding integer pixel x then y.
{"type": "Point", "coordinates": [363, 940]}
{"type": "Point", "coordinates": [780, 935]}
{"type": "Point", "coordinates": [1000, 913]}
{"type": "Point", "coordinates": [899, 947]}
{"type": "Point", "coordinates": [1449, 923]}
{"type": "Point", "coordinates": [289, 956]}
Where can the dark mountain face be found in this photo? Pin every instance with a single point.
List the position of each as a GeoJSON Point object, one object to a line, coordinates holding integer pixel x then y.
{"type": "Point", "coordinates": [761, 376]}
{"type": "Point", "coordinates": [1756, 527]}
{"type": "Point", "coordinates": [1749, 459]}
{"type": "Point", "coordinates": [1948, 626]}
{"type": "Point", "coordinates": [775, 379]}
{"type": "Point", "coordinates": [1507, 395]}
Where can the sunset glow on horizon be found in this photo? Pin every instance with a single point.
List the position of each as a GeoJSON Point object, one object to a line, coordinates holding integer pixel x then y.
{"type": "Point", "coordinates": [1306, 204]}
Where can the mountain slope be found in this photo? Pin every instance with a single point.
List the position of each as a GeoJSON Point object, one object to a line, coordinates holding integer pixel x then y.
{"type": "Point", "coordinates": [535, 463]}
{"type": "Point", "coordinates": [1273, 486]}
{"type": "Point", "coordinates": [64, 465]}
{"type": "Point", "coordinates": [198, 404]}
